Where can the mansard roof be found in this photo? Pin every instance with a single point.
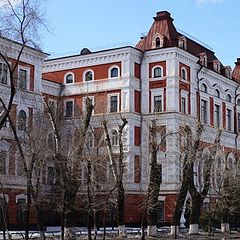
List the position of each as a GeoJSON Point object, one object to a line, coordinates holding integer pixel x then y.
{"type": "Point", "coordinates": [163, 25]}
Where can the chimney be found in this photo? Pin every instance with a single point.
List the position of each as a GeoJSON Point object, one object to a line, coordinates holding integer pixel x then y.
{"type": "Point", "coordinates": [163, 15]}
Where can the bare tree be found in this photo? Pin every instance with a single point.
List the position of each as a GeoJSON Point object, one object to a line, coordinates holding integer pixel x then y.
{"type": "Point", "coordinates": [117, 167]}
{"type": "Point", "coordinates": [19, 27]}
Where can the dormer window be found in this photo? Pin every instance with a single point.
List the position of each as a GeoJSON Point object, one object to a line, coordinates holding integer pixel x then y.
{"type": "Point", "coordinates": [182, 42]}
{"type": "Point", "coordinates": [157, 41]}
{"type": "Point", "coordinates": [216, 66]}
{"type": "Point", "coordinates": [228, 71]}
{"type": "Point", "coordinates": [88, 75]}
{"type": "Point", "coordinates": [203, 59]}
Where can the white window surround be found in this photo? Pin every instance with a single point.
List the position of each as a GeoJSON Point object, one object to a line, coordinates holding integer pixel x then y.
{"type": "Point", "coordinates": [26, 110]}
{"type": "Point", "coordinates": [114, 141]}
{"type": "Point", "coordinates": [109, 102]}
{"type": "Point", "coordinates": [185, 94]}
{"type": "Point", "coordinates": [65, 77]}
{"type": "Point", "coordinates": [207, 100]}
{"type": "Point", "coordinates": [109, 71]}
{"type": "Point", "coordinates": [28, 76]}
{"type": "Point", "coordinates": [154, 93]}
{"type": "Point", "coordinates": [8, 76]}
{"type": "Point", "coordinates": [153, 68]}
{"type": "Point", "coordinates": [21, 196]}
{"type": "Point", "coordinates": [217, 101]}
{"type": "Point", "coordinates": [182, 42]}
{"type": "Point", "coordinates": [84, 105]}
{"type": "Point", "coordinates": [84, 73]}
{"type": "Point", "coordinates": [69, 100]}
{"type": "Point", "coordinates": [161, 38]}
{"type": "Point", "coordinates": [232, 119]}
{"type": "Point", "coordinates": [186, 73]}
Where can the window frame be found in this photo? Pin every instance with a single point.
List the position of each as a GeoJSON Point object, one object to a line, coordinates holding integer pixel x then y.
{"type": "Point", "coordinates": [26, 120]}
{"type": "Point", "coordinates": [217, 115]}
{"type": "Point", "coordinates": [2, 73]}
{"type": "Point", "coordinates": [110, 71]}
{"type": "Point", "coordinates": [109, 103]}
{"type": "Point", "coordinates": [27, 69]}
{"type": "Point", "coordinates": [161, 103]}
{"type": "Point", "coordinates": [204, 88]}
{"type": "Point", "coordinates": [66, 75]}
{"type": "Point", "coordinates": [204, 115]}
{"type": "Point", "coordinates": [84, 75]}
{"type": "Point", "coordinates": [229, 119]}
{"type": "Point", "coordinates": [183, 69]}
{"type": "Point", "coordinates": [65, 107]}
{"type": "Point", "coordinates": [153, 72]}
{"type": "Point", "coordinates": [114, 137]}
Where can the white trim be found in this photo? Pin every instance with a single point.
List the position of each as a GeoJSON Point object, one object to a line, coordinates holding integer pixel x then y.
{"type": "Point", "coordinates": [21, 196]}
{"type": "Point", "coordinates": [65, 77]}
{"type": "Point", "coordinates": [184, 94]}
{"type": "Point", "coordinates": [109, 102]}
{"type": "Point", "coordinates": [8, 76]}
{"type": "Point", "coordinates": [110, 69]}
{"type": "Point", "coordinates": [84, 73]}
{"type": "Point", "coordinates": [154, 93]}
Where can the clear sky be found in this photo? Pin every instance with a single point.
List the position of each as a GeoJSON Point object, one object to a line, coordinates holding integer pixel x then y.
{"type": "Point", "coordinates": [100, 24]}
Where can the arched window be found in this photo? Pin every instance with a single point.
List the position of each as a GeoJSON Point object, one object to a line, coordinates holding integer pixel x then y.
{"type": "Point", "coordinates": [88, 76]}
{"type": "Point", "coordinates": [217, 93]}
{"type": "Point", "coordinates": [184, 73]}
{"type": "Point", "coordinates": [204, 88]}
{"type": "Point", "coordinates": [114, 72]}
{"type": "Point", "coordinates": [157, 72]}
{"type": "Point", "coordinates": [22, 120]}
{"type": "Point", "coordinates": [69, 78]}
{"type": "Point", "coordinates": [229, 98]}
{"type": "Point", "coordinates": [114, 137]}
{"type": "Point", "coordinates": [238, 102]}
{"type": "Point", "coordinates": [157, 42]}
{"type": "Point", "coordinates": [182, 42]}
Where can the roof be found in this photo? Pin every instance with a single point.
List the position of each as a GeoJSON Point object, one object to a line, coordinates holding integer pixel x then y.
{"type": "Point", "coordinates": [236, 71]}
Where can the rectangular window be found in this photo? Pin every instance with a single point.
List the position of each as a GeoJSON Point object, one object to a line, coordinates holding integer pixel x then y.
{"type": "Point", "coordinates": [113, 103]}
{"type": "Point", "coordinates": [183, 104]}
{"type": "Point", "coordinates": [204, 111]}
{"type": "Point", "coordinates": [229, 120]}
{"type": "Point", "coordinates": [23, 79]}
{"type": "Point", "coordinates": [3, 73]}
{"type": "Point", "coordinates": [21, 209]}
{"type": "Point", "coordinates": [238, 122]}
{"type": "Point", "coordinates": [69, 109]}
{"type": "Point", "coordinates": [158, 103]}
{"type": "Point", "coordinates": [217, 116]}
{"type": "Point", "coordinates": [3, 159]}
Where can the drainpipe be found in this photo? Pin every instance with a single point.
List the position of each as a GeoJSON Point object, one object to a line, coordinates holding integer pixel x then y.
{"type": "Point", "coordinates": [198, 92]}
{"type": "Point", "coordinates": [236, 117]}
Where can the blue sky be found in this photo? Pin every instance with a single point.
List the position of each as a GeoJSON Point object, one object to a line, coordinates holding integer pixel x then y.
{"type": "Point", "coordinates": [99, 24]}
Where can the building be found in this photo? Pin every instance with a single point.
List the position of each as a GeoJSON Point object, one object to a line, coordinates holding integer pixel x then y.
{"type": "Point", "coordinates": [167, 76]}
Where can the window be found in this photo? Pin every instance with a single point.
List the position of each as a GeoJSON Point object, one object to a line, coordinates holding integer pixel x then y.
{"type": "Point", "coordinates": [182, 42]}
{"type": "Point", "coordinates": [217, 116]}
{"type": "Point", "coordinates": [22, 120]}
{"type": "Point", "coordinates": [238, 122]}
{"type": "Point", "coordinates": [21, 204]}
{"type": "Point", "coordinates": [203, 59]}
{"type": "Point", "coordinates": [69, 78]}
{"type": "Point", "coordinates": [238, 102]}
{"type": "Point", "coordinates": [229, 98]}
{"type": "Point", "coordinates": [204, 111]}
{"type": "Point", "coordinates": [113, 103]}
{"type": "Point", "coordinates": [204, 88]}
{"type": "Point", "coordinates": [184, 73]}
{"type": "Point", "coordinates": [157, 72]}
{"type": "Point", "coordinates": [69, 109]}
{"type": "Point", "coordinates": [158, 103]}
{"type": "Point", "coordinates": [216, 66]}
{"type": "Point", "coordinates": [229, 119]}
{"type": "Point", "coordinates": [158, 42]}
{"type": "Point", "coordinates": [114, 137]}
{"type": "Point", "coordinates": [183, 105]}
{"type": "Point", "coordinates": [88, 76]}
{"type": "Point", "coordinates": [3, 159]}
{"type": "Point", "coordinates": [23, 79]}
{"type": "Point", "coordinates": [52, 106]}
{"type": "Point", "coordinates": [217, 93]}
{"type": "Point", "coordinates": [3, 73]}
{"type": "Point", "coordinates": [114, 72]}
{"type": "Point", "coordinates": [50, 175]}
{"type": "Point", "coordinates": [91, 101]}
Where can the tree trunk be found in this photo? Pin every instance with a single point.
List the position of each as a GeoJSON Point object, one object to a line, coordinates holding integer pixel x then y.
{"type": "Point", "coordinates": [195, 213]}
{"type": "Point", "coordinates": [120, 206]}
{"type": "Point", "coordinates": [40, 223]}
